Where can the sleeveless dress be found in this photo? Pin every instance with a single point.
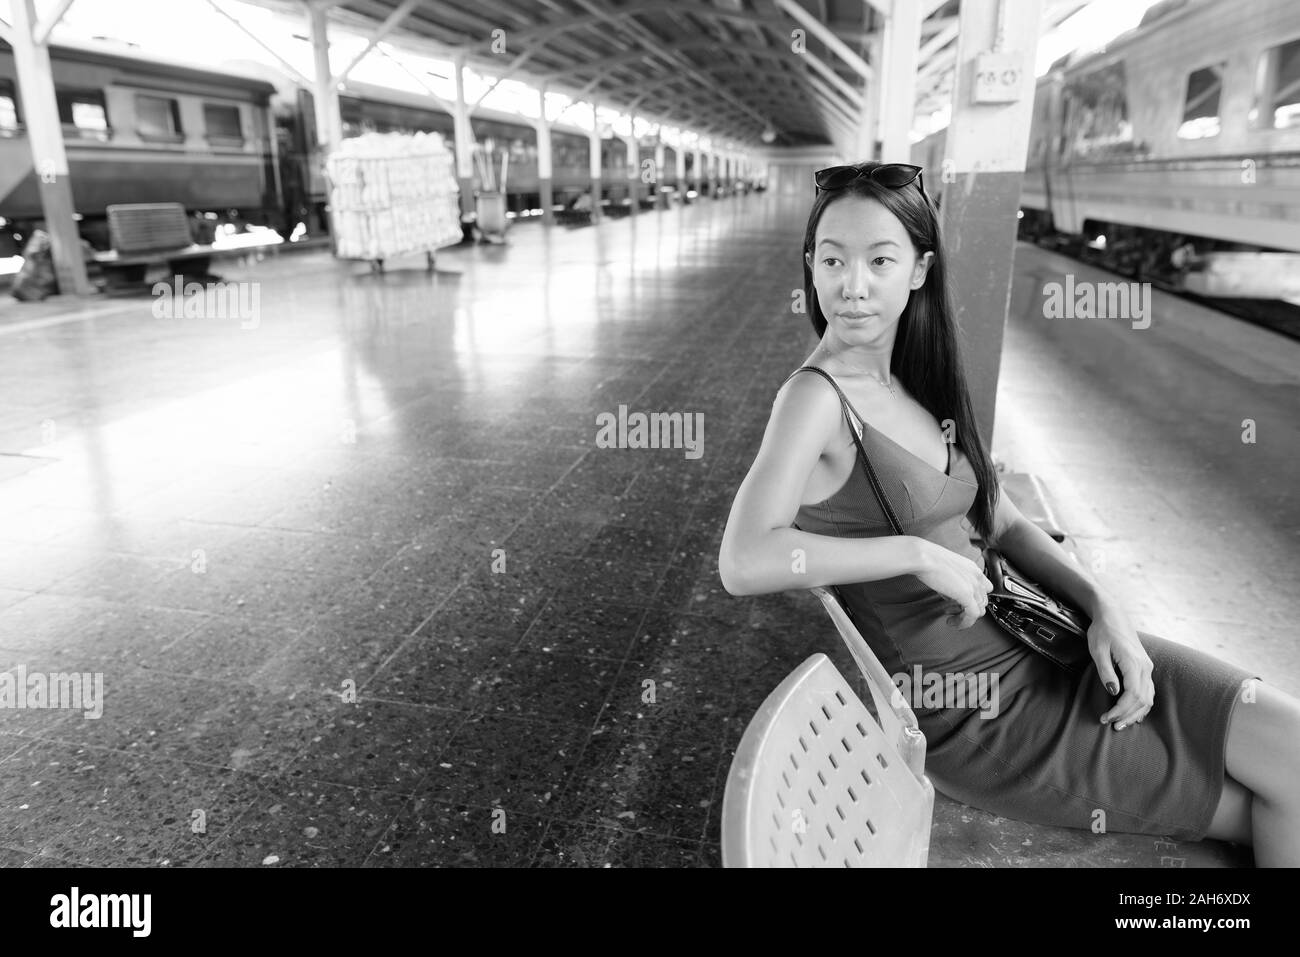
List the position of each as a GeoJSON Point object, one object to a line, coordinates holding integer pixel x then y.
{"type": "Point", "coordinates": [1041, 755]}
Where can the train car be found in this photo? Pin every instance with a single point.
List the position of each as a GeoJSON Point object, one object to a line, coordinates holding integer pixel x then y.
{"type": "Point", "coordinates": [238, 145]}
{"type": "Point", "coordinates": [1173, 154]}
{"type": "Point", "coordinates": [141, 129]}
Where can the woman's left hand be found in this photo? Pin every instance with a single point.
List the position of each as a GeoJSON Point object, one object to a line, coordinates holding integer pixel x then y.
{"type": "Point", "coordinates": [1114, 641]}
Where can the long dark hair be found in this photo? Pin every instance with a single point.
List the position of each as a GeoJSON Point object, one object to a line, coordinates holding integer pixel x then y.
{"type": "Point", "coordinates": [926, 355]}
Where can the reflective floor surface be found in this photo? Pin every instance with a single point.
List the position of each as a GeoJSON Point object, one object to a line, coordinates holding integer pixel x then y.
{"type": "Point", "coordinates": [363, 589]}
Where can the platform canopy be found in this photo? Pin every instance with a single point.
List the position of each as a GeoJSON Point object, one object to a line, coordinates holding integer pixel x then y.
{"type": "Point", "coordinates": [774, 72]}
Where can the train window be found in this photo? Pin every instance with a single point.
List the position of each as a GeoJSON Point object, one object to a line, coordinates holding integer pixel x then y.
{"type": "Point", "coordinates": [1096, 111]}
{"type": "Point", "coordinates": [8, 107]}
{"type": "Point", "coordinates": [222, 124]}
{"type": "Point", "coordinates": [157, 118]}
{"type": "Point", "coordinates": [1277, 88]}
{"type": "Point", "coordinates": [82, 113]}
{"type": "Point", "coordinates": [1201, 108]}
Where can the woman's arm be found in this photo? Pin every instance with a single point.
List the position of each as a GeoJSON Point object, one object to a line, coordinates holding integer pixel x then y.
{"type": "Point", "coordinates": [1112, 639]}
{"type": "Point", "coordinates": [1039, 556]}
{"type": "Point", "coordinates": [761, 553]}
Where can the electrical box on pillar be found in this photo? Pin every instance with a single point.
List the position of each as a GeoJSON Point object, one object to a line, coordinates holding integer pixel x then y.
{"type": "Point", "coordinates": [998, 77]}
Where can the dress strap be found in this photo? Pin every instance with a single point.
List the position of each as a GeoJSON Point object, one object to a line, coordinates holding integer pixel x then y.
{"type": "Point", "coordinates": [850, 413]}
{"type": "Point", "coordinates": [855, 431]}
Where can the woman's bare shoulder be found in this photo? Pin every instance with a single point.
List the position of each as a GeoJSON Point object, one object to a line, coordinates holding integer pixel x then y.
{"type": "Point", "coordinates": [805, 402]}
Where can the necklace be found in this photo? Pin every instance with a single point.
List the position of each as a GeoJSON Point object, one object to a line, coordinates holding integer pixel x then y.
{"type": "Point", "coordinates": [882, 382]}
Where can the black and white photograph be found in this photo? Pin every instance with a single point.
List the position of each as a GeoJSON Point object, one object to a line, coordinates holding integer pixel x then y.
{"type": "Point", "coordinates": [650, 434]}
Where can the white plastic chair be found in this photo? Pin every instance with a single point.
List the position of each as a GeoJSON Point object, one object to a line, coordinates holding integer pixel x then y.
{"type": "Point", "coordinates": [816, 782]}
{"type": "Point", "coordinates": [895, 716]}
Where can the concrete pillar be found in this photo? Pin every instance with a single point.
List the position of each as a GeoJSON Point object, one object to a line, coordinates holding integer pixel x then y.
{"type": "Point", "coordinates": [868, 134]}
{"type": "Point", "coordinates": [697, 172]}
{"type": "Point", "coordinates": [902, 47]}
{"type": "Point", "coordinates": [594, 162]}
{"type": "Point", "coordinates": [463, 133]}
{"type": "Point", "coordinates": [679, 154]}
{"type": "Point", "coordinates": [547, 197]}
{"type": "Point", "coordinates": [50, 160]}
{"type": "Point", "coordinates": [984, 154]}
{"type": "Point", "coordinates": [634, 169]}
{"type": "Point", "coordinates": [661, 198]}
{"type": "Point", "coordinates": [325, 95]}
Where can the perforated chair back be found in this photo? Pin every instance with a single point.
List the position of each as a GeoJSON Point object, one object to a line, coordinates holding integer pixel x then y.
{"type": "Point", "coordinates": [895, 715]}
{"type": "Point", "coordinates": [816, 782]}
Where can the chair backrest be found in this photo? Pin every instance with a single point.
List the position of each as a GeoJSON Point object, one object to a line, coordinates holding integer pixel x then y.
{"type": "Point", "coordinates": [816, 782]}
{"type": "Point", "coordinates": [895, 715]}
{"type": "Point", "coordinates": [148, 227]}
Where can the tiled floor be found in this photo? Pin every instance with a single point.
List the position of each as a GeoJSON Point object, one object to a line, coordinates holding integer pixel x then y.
{"type": "Point", "coordinates": [364, 591]}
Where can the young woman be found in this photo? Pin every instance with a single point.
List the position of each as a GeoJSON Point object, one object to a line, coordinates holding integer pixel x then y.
{"type": "Point", "coordinates": [1152, 737]}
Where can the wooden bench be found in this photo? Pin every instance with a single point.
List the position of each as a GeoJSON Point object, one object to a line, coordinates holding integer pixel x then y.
{"type": "Point", "coordinates": [145, 233]}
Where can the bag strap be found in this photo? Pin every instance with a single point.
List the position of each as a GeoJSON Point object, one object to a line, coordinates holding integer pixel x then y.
{"type": "Point", "coordinates": [885, 505]}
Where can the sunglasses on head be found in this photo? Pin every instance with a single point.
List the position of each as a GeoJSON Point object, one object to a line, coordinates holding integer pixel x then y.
{"type": "Point", "coordinates": [889, 175]}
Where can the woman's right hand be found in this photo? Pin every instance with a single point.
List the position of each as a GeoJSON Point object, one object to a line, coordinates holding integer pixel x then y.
{"type": "Point", "coordinates": [958, 579]}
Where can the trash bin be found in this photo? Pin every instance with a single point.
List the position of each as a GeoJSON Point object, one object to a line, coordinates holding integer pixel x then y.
{"type": "Point", "coordinates": [492, 214]}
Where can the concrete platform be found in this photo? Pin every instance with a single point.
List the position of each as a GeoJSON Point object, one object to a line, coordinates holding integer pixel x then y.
{"type": "Point", "coordinates": [364, 591]}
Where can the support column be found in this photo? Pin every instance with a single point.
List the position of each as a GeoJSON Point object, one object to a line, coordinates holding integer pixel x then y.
{"type": "Point", "coordinates": [679, 154]}
{"type": "Point", "coordinates": [547, 197]}
{"type": "Point", "coordinates": [49, 158]}
{"type": "Point", "coordinates": [634, 169]}
{"type": "Point", "coordinates": [594, 164]}
{"type": "Point", "coordinates": [902, 46]}
{"type": "Point", "coordinates": [697, 172]}
{"type": "Point", "coordinates": [463, 133]}
{"type": "Point", "coordinates": [661, 198]}
{"type": "Point", "coordinates": [325, 95]}
{"type": "Point", "coordinates": [869, 121]}
{"type": "Point", "coordinates": [985, 150]}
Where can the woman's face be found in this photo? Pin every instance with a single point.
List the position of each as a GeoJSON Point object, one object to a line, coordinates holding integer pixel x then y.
{"type": "Point", "coordinates": [864, 269]}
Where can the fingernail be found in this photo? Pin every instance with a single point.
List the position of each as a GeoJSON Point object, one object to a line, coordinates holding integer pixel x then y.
{"type": "Point", "coordinates": [1120, 727]}
{"type": "Point", "coordinates": [1112, 687]}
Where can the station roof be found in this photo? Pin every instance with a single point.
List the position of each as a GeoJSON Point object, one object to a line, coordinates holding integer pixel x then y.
{"type": "Point", "coordinates": [724, 68]}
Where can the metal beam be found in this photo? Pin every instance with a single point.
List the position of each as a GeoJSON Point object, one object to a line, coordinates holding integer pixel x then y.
{"type": "Point", "coordinates": [292, 70]}
{"type": "Point", "coordinates": [812, 83]}
{"type": "Point", "coordinates": [431, 47]}
{"type": "Point", "coordinates": [853, 96]}
{"type": "Point", "coordinates": [545, 31]}
{"type": "Point", "coordinates": [391, 22]}
{"type": "Point", "coordinates": [823, 33]}
{"type": "Point", "coordinates": [446, 105]}
{"type": "Point", "coordinates": [682, 62]}
{"type": "Point", "coordinates": [937, 42]}
{"type": "Point", "coordinates": [510, 71]}
{"type": "Point", "coordinates": [46, 26]}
